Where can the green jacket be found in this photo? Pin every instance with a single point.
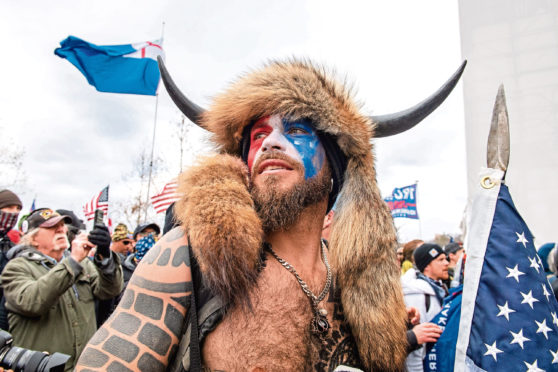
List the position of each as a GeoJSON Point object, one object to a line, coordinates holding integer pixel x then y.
{"type": "Point", "coordinates": [51, 305]}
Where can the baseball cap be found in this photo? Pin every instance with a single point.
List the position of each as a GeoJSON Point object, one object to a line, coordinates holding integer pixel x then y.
{"type": "Point", "coordinates": [140, 228]}
{"type": "Point", "coordinates": [43, 217]}
{"type": "Point", "coordinates": [121, 232]}
{"type": "Point", "coordinates": [452, 248]}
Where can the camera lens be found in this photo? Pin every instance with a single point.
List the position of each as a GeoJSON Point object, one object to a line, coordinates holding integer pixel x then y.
{"type": "Point", "coordinates": [19, 359]}
{"type": "Point", "coordinates": [53, 363]}
{"type": "Point", "coordinates": [23, 359]}
{"type": "Point", "coordinates": [11, 357]}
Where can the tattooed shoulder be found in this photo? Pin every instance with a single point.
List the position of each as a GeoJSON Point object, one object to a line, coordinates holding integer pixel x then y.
{"type": "Point", "coordinates": [144, 331]}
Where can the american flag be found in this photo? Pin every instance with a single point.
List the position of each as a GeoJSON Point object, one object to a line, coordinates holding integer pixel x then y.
{"type": "Point", "coordinates": [166, 197]}
{"type": "Point", "coordinates": [509, 313]}
{"type": "Point", "coordinates": [99, 201]}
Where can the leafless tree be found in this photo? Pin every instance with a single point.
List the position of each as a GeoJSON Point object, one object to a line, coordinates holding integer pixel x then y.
{"type": "Point", "coordinates": [11, 163]}
{"type": "Point", "coordinates": [133, 209]}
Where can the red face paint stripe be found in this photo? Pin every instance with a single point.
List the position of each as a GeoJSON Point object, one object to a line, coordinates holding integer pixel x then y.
{"type": "Point", "coordinates": [260, 127]}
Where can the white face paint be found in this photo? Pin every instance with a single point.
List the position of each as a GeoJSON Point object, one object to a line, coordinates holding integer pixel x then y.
{"type": "Point", "coordinates": [297, 139]}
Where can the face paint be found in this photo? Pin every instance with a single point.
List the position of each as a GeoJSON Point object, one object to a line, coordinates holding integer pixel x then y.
{"type": "Point", "coordinates": [296, 139]}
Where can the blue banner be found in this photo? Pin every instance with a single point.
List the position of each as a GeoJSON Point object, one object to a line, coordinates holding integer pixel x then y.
{"type": "Point", "coordinates": [441, 355]}
{"type": "Point", "coordinates": [128, 68]}
{"type": "Point", "coordinates": [403, 202]}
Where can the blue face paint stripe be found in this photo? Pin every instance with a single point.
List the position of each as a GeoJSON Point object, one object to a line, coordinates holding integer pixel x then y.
{"type": "Point", "coordinates": [307, 144]}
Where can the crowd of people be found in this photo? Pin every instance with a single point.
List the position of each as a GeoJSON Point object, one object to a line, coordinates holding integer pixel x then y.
{"type": "Point", "coordinates": [284, 260]}
{"type": "Point", "coordinates": [58, 282]}
{"type": "Point", "coordinates": [428, 272]}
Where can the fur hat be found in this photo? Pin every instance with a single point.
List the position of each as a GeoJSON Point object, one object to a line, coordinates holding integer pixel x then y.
{"type": "Point", "coordinates": [363, 238]}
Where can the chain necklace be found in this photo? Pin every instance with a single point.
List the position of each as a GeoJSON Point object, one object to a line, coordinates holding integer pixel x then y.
{"type": "Point", "coordinates": [319, 325]}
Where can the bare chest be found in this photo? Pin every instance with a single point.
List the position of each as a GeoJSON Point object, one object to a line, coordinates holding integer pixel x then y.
{"type": "Point", "coordinates": [276, 335]}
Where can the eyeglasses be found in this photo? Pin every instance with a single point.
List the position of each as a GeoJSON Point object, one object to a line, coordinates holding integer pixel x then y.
{"type": "Point", "coordinates": [126, 242]}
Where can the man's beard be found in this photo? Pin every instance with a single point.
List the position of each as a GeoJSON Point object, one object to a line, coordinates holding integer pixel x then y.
{"type": "Point", "coordinates": [280, 209]}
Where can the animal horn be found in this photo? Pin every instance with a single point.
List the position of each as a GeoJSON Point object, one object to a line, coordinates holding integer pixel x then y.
{"type": "Point", "coordinates": [390, 124]}
{"type": "Point", "coordinates": [188, 108]}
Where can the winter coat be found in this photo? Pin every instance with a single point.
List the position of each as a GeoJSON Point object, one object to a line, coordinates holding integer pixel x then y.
{"type": "Point", "coordinates": [415, 292]}
{"type": "Point", "coordinates": [5, 245]}
{"type": "Point", "coordinates": [51, 305]}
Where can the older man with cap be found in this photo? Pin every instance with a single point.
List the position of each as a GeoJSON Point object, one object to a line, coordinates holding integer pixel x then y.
{"type": "Point", "coordinates": [49, 290]}
{"type": "Point", "coordinates": [426, 292]}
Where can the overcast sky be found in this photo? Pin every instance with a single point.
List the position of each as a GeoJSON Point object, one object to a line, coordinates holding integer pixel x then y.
{"type": "Point", "coordinates": [77, 140]}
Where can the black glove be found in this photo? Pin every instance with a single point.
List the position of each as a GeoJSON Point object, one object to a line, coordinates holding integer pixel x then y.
{"type": "Point", "coordinates": [100, 236]}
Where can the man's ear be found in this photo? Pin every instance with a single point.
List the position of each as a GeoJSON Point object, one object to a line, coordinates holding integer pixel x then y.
{"type": "Point", "coordinates": [328, 219]}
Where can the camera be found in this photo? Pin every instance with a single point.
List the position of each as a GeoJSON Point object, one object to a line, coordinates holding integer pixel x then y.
{"type": "Point", "coordinates": [20, 359]}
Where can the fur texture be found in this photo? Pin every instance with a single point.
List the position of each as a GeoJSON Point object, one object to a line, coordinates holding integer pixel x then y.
{"type": "Point", "coordinates": [363, 238]}
{"type": "Point", "coordinates": [225, 231]}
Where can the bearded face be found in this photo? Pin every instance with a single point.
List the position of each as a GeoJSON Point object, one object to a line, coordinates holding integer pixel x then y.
{"type": "Point", "coordinates": [288, 168]}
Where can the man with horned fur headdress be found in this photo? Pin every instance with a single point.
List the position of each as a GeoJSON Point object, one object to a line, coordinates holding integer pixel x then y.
{"type": "Point", "coordinates": [247, 264]}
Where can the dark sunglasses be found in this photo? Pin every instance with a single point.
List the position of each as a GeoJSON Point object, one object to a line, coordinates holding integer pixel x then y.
{"type": "Point", "coordinates": [126, 242]}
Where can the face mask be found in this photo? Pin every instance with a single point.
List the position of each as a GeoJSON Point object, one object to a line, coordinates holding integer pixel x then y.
{"type": "Point", "coordinates": [7, 221]}
{"type": "Point", "coordinates": [143, 246]}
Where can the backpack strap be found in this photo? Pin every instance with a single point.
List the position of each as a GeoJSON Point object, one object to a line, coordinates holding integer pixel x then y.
{"type": "Point", "coordinates": [195, 353]}
{"type": "Point", "coordinates": [206, 311]}
{"type": "Point", "coordinates": [427, 302]}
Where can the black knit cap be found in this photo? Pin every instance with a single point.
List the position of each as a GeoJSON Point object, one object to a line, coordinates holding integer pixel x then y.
{"type": "Point", "coordinates": [8, 198]}
{"type": "Point", "coordinates": [337, 160]}
{"type": "Point", "coordinates": [425, 254]}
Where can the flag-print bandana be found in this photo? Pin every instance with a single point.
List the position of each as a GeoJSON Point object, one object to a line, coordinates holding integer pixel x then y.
{"type": "Point", "coordinates": [143, 245]}
{"type": "Point", "coordinates": [7, 220]}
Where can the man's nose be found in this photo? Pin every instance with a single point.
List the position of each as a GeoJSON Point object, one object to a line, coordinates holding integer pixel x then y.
{"type": "Point", "coordinates": [274, 141]}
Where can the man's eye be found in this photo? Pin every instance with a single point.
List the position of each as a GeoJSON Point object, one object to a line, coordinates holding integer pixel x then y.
{"type": "Point", "coordinates": [259, 135]}
{"type": "Point", "coordinates": [297, 130]}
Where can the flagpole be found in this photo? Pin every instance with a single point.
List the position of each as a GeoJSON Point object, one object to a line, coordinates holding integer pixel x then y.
{"type": "Point", "coordinates": [153, 140]}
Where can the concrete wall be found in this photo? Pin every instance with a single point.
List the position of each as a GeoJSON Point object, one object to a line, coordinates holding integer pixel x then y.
{"type": "Point", "coordinates": [515, 42]}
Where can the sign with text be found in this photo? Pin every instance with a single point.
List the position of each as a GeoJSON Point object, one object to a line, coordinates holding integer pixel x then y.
{"type": "Point", "coordinates": [403, 203]}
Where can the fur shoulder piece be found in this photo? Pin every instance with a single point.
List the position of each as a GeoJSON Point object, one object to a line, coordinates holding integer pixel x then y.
{"type": "Point", "coordinates": [225, 231]}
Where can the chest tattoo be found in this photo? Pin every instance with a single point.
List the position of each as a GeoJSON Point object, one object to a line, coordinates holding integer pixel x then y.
{"type": "Point", "coordinates": [339, 348]}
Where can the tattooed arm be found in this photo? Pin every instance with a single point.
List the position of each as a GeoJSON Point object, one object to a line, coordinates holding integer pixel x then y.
{"type": "Point", "coordinates": [143, 332]}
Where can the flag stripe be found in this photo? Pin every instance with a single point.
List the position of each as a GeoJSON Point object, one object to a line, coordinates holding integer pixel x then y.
{"type": "Point", "coordinates": [166, 197]}
{"type": "Point", "coordinates": [99, 201]}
